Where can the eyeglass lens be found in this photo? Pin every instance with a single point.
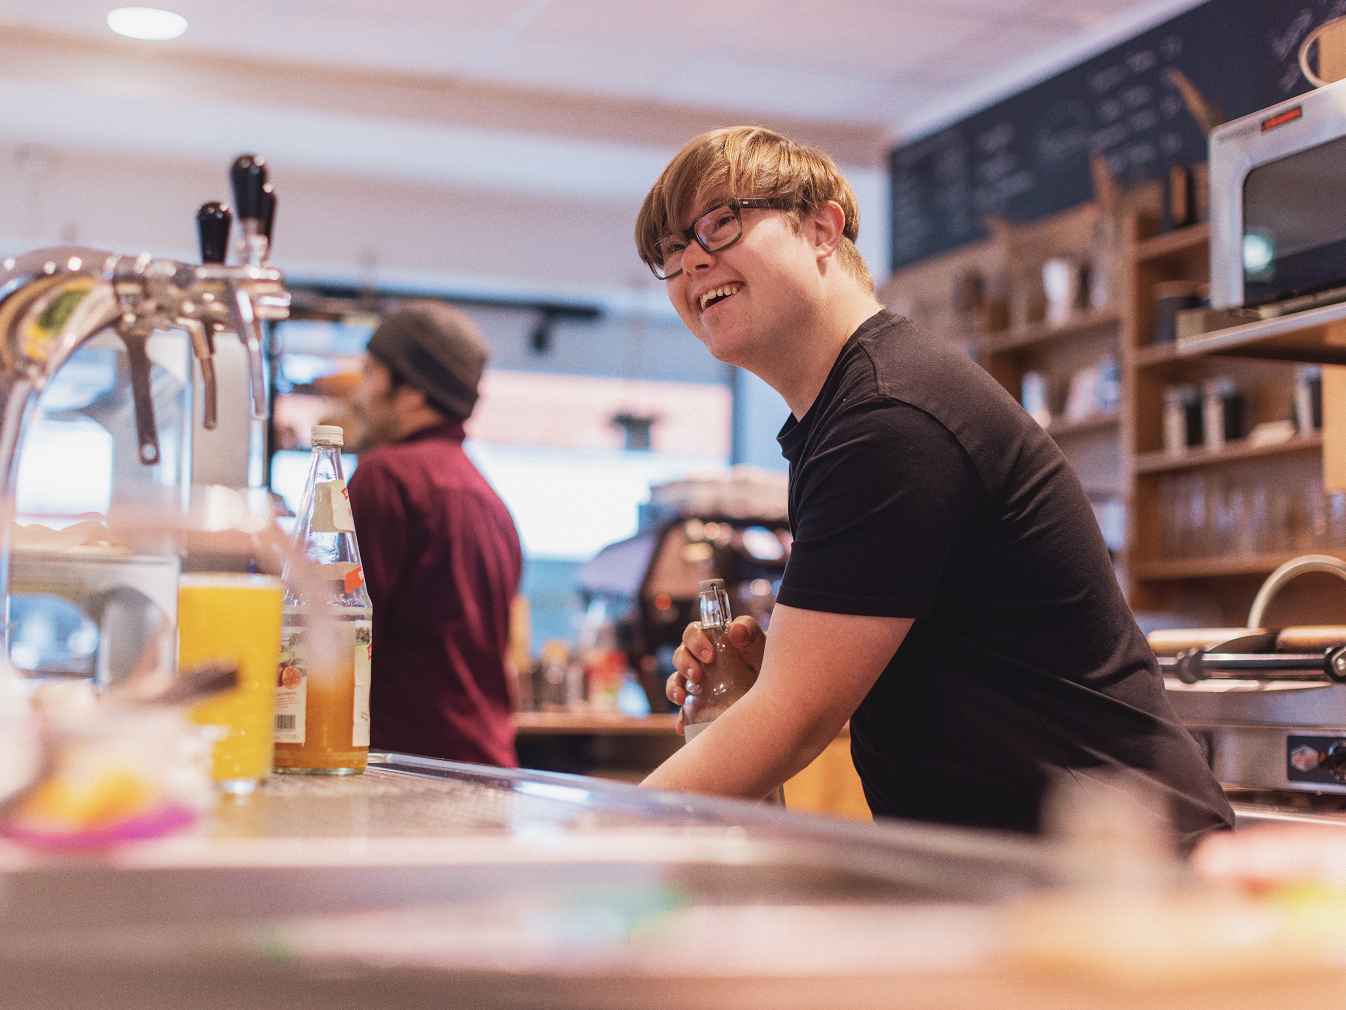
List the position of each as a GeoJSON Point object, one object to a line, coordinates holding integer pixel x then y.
{"type": "Point", "coordinates": [715, 229]}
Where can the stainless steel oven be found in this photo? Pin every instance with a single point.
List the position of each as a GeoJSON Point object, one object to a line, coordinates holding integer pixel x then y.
{"type": "Point", "coordinates": [1278, 205]}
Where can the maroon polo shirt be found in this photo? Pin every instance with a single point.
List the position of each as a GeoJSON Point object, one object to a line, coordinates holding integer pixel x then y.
{"type": "Point", "coordinates": [442, 562]}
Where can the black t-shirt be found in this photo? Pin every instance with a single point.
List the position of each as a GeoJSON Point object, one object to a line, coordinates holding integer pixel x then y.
{"type": "Point", "coordinates": [919, 488]}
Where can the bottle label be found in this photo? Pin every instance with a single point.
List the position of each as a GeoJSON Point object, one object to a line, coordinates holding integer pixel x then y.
{"type": "Point", "coordinates": [364, 653]}
{"type": "Point", "coordinates": [690, 730]}
{"type": "Point", "coordinates": [332, 508]}
{"type": "Point", "coordinates": [354, 579]}
{"type": "Point", "coordinates": [291, 685]}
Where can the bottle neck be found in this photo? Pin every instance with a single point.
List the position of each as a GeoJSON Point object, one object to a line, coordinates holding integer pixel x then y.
{"type": "Point", "coordinates": [325, 464]}
{"type": "Point", "coordinates": [715, 613]}
{"type": "Point", "coordinates": [324, 533]}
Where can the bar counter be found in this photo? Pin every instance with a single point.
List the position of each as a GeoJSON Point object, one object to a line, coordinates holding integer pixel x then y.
{"type": "Point", "coordinates": [425, 882]}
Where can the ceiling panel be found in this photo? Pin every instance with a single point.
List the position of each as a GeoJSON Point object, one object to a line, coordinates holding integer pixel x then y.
{"type": "Point", "coordinates": [776, 89]}
{"type": "Point", "coordinates": [688, 25]}
{"type": "Point", "coordinates": [468, 13]}
{"type": "Point", "coordinates": [240, 25]}
{"type": "Point", "coordinates": [875, 61]}
{"type": "Point", "coordinates": [356, 40]}
{"type": "Point", "coordinates": [1083, 13]}
{"type": "Point", "coordinates": [987, 52]}
{"type": "Point", "coordinates": [583, 63]}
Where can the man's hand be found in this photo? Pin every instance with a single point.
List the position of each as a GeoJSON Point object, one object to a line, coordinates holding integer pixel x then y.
{"type": "Point", "coordinates": [815, 670]}
{"type": "Point", "coordinates": [745, 634]}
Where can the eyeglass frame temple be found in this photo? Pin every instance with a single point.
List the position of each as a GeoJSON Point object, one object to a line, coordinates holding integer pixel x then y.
{"type": "Point", "coordinates": [734, 203]}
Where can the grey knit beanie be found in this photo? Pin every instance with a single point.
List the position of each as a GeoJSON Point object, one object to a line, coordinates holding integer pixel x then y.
{"type": "Point", "coordinates": [435, 348]}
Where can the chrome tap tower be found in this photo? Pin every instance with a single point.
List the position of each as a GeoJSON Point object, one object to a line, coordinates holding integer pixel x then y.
{"type": "Point", "coordinates": [52, 301]}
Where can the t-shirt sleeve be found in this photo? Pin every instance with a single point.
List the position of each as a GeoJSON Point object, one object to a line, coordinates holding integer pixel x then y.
{"type": "Point", "coordinates": [379, 507]}
{"type": "Point", "coordinates": [879, 505]}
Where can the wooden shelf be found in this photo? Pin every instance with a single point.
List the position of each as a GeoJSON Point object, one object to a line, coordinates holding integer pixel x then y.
{"type": "Point", "coordinates": [1155, 581]}
{"type": "Point", "coordinates": [1099, 422]}
{"type": "Point", "coordinates": [1314, 335]}
{"type": "Point", "coordinates": [1040, 333]}
{"type": "Point", "coordinates": [594, 722]}
{"type": "Point", "coordinates": [1213, 568]}
{"type": "Point", "coordinates": [1149, 355]}
{"type": "Point", "coordinates": [1160, 462]}
{"type": "Point", "coordinates": [1182, 242]}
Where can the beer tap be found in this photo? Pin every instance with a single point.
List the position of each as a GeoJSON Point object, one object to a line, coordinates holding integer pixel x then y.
{"type": "Point", "coordinates": [248, 179]}
{"type": "Point", "coordinates": [256, 210]}
{"type": "Point", "coordinates": [268, 217]}
{"type": "Point", "coordinates": [54, 300]}
{"type": "Point", "coordinates": [139, 286]}
{"type": "Point", "coordinates": [213, 222]}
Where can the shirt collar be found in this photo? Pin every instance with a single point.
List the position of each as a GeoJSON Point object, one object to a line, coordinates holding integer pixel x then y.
{"type": "Point", "coordinates": [449, 431]}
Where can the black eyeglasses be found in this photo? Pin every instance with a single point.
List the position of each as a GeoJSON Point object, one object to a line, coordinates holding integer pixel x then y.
{"type": "Point", "coordinates": [716, 229]}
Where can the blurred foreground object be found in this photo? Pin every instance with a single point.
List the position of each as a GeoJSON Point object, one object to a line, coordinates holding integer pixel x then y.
{"type": "Point", "coordinates": [124, 767]}
{"type": "Point", "coordinates": [1136, 920]}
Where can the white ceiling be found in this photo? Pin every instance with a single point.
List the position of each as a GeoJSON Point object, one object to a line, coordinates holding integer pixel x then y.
{"type": "Point", "coordinates": [553, 115]}
{"type": "Point", "coordinates": [902, 65]}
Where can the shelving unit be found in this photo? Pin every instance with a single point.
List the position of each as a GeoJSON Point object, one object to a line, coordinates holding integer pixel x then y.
{"type": "Point", "coordinates": [1315, 335]}
{"type": "Point", "coordinates": [1010, 267]}
{"type": "Point", "coordinates": [1259, 565]}
{"type": "Point", "coordinates": [1034, 335]}
{"type": "Point", "coordinates": [1218, 587]}
{"type": "Point", "coordinates": [1163, 462]}
{"type": "Point", "coordinates": [1098, 422]}
{"type": "Point", "coordinates": [1173, 244]}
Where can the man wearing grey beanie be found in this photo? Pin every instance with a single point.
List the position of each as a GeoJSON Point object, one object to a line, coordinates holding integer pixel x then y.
{"type": "Point", "coordinates": [441, 555]}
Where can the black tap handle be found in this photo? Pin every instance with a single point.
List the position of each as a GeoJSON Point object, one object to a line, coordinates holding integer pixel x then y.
{"type": "Point", "coordinates": [213, 221]}
{"type": "Point", "coordinates": [248, 176]}
{"type": "Point", "coordinates": [268, 215]}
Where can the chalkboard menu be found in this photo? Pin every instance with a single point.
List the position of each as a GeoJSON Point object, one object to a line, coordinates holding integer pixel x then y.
{"type": "Point", "coordinates": [1028, 156]}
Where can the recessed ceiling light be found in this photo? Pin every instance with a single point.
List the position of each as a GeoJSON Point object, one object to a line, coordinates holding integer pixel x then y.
{"type": "Point", "coordinates": [146, 23]}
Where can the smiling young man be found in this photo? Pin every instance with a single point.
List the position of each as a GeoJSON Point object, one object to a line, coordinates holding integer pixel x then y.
{"type": "Point", "coordinates": [948, 590]}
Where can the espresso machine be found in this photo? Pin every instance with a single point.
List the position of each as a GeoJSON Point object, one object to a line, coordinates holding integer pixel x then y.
{"type": "Point", "coordinates": [132, 326]}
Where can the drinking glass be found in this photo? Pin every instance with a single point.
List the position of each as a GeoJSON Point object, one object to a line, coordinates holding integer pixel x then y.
{"type": "Point", "coordinates": [231, 616]}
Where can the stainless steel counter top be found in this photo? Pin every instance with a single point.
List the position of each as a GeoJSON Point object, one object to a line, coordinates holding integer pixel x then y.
{"type": "Point", "coordinates": [430, 883]}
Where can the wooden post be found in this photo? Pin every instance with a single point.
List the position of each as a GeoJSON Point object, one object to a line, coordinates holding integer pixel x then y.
{"type": "Point", "coordinates": [1332, 58]}
{"type": "Point", "coordinates": [1334, 428]}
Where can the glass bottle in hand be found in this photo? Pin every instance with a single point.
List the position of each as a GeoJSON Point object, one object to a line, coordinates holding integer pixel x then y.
{"type": "Point", "coordinates": [322, 690]}
{"type": "Point", "coordinates": [727, 677]}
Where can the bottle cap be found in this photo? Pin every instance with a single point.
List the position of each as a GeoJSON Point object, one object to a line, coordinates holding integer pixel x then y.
{"type": "Point", "coordinates": [328, 434]}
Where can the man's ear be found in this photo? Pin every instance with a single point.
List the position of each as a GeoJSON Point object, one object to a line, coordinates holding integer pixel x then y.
{"type": "Point", "coordinates": [826, 227]}
{"type": "Point", "coordinates": [410, 398]}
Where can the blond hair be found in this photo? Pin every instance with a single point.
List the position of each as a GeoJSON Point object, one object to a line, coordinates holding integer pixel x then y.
{"type": "Point", "coordinates": [750, 161]}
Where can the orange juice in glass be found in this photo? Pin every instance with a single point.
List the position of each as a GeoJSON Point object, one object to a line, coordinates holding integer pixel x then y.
{"type": "Point", "coordinates": [223, 615]}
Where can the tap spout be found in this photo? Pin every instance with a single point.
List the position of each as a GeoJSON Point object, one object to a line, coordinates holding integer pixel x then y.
{"type": "Point", "coordinates": [249, 330]}
{"type": "Point", "coordinates": [203, 346]}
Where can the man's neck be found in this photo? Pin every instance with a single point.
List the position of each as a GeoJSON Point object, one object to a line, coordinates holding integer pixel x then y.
{"type": "Point", "coordinates": [799, 375]}
{"type": "Point", "coordinates": [407, 431]}
{"type": "Point", "coordinates": [415, 420]}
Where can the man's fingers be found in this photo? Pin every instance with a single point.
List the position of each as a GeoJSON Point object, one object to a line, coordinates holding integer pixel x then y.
{"type": "Point", "coordinates": [746, 635]}
{"type": "Point", "coordinates": [696, 643]}
{"type": "Point", "coordinates": [744, 631]}
{"type": "Point", "coordinates": [684, 665]}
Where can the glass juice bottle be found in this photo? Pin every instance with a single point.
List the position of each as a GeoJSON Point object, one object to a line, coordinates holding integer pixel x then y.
{"type": "Point", "coordinates": [322, 692]}
{"type": "Point", "coordinates": [726, 678]}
